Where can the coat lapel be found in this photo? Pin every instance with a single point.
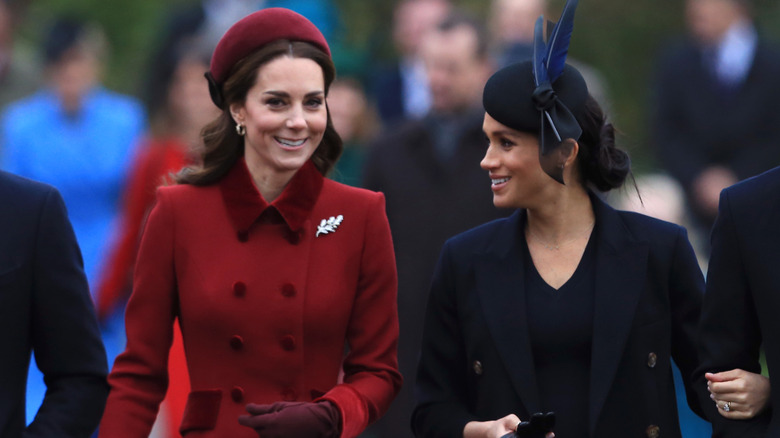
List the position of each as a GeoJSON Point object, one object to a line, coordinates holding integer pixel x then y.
{"type": "Point", "coordinates": [501, 289]}
{"type": "Point", "coordinates": [621, 264]}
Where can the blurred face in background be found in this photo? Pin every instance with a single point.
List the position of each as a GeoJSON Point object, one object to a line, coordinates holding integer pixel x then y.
{"type": "Point", "coordinates": [709, 20]}
{"type": "Point", "coordinates": [347, 105]}
{"type": "Point", "coordinates": [513, 20]}
{"type": "Point", "coordinates": [456, 73]}
{"type": "Point", "coordinates": [74, 74]}
{"type": "Point", "coordinates": [189, 102]}
{"type": "Point", "coordinates": [413, 19]}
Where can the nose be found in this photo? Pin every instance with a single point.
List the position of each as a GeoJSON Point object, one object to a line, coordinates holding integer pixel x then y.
{"type": "Point", "coordinates": [489, 161]}
{"type": "Point", "coordinates": [296, 119]}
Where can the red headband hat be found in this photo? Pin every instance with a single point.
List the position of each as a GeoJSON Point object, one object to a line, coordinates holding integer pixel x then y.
{"type": "Point", "coordinates": [253, 32]}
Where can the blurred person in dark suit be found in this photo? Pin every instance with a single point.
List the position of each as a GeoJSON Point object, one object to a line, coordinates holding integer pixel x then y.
{"type": "Point", "coordinates": [401, 89]}
{"type": "Point", "coordinates": [741, 305]}
{"type": "Point", "coordinates": [716, 93]}
{"type": "Point", "coordinates": [429, 172]}
{"type": "Point", "coordinates": [45, 308]}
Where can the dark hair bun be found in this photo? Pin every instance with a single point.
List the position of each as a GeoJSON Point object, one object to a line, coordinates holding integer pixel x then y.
{"type": "Point", "coordinates": [602, 164]}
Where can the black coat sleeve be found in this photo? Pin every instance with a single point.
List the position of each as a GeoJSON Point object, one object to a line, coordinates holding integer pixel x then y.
{"type": "Point", "coordinates": [686, 287]}
{"type": "Point", "coordinates": [729, 334]}
{"type": "Point", "coordinates": [65, 335]}
{"type": "Point", "coordinates": [440, 389]}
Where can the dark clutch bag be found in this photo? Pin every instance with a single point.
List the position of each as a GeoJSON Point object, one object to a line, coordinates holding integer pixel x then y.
{"type": "Point", "coordinates": [537, 427]}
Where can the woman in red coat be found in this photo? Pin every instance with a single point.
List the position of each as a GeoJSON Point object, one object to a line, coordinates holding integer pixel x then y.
{"type": "Point", "coordinates": [270, 268]}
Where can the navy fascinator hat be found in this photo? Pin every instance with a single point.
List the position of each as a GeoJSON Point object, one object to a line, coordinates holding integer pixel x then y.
{"type": "Point", "coordinates": [545, 95]}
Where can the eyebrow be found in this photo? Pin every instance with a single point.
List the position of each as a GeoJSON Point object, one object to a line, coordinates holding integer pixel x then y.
{"type": "Point", "coordinates": [501, 132]}
{"type": "Point", "coordinates": [286, 94]}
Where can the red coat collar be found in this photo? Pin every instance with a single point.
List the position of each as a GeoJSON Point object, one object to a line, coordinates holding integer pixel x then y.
{"type": "Point", "coordinates": [245, 204]}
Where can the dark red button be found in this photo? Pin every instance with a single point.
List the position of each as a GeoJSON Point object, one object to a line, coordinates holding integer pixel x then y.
{"type": "Point", "coordinates": [289, 395]}
{"type": "Point", "coordinates": [243, 236]}
{"type": "Point", "coordinates": [288, 342]}
{"type": "Point", "coordinates": [237, 394]}
{"type": "Point", "coordinates": [288, 290]}
{"type": "Point", "coordinates": [236, 342]}
{"type": "Point", "coordinates": [239, 289]}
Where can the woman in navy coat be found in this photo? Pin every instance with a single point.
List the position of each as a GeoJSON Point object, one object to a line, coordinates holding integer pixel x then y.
{"type": "Point", "coordinates": [568, 305]}
{"type": "Point", "coordinates": [271, 269]}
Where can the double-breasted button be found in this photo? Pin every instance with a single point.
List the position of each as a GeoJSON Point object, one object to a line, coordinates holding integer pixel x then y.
{"type": "Point", "coordinates": [477, 366]}
{"type": "Point", "coordinates": [288, 290]}
{"type": "Point", "coordinates": [243, 236]}
{"type": "Point", "coordinates": [289, 395]}
{"type": "Point", "coordinates": [236, 342]}
{"type": "Point", "coordinates": [652, 359]}
{"type": "Point", "coordinates": [237, 394]}
{"type": "Point", "coordinates": [288, 342]}
{"type": "Point", "coordinates": [239, 289]}
{"type": "Point", "coordinates": [653, 431]}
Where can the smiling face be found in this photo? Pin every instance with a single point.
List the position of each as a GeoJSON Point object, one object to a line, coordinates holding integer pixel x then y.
{"type": "Point", "coordinates": [512, 160]}
{"type": "Point", "coordinates": [285, 116]}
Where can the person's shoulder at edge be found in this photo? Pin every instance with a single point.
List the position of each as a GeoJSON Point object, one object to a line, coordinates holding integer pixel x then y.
{"type": "Point", "coordinates": [767, 182]}
{"type": "Point", "coordinates": [13, 186]}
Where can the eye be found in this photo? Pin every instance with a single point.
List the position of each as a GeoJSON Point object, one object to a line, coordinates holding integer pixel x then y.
{"type": "Point", "coordinates": [314, 102]}
{"type": "Point", "coordinates": [506, 143]}
{"type": "Point", "coordinates": [275, 102]}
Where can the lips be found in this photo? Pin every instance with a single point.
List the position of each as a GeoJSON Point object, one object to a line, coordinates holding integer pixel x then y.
{"type": "Point", "coordinates": [497, 181]}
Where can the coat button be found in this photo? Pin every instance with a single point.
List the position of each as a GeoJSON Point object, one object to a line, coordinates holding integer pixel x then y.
{"type": "Point", "coordinates": [288, 290]}
{"type": "Point", "coordinates": [652, 359]}
{"type": "Point", "coordinates": [653, 431]}
{"type": "Point", "coordinates": [243, 236]}
{"type": "Point", "coordinates": [477, 367]}
{"type": "Point", "coordinates": [236, 342]}
{"type": "Point", "coordinates": [289, 395]}
{"type": "Point", "coordinates": [288, 342]}
{"type": "Point", "coordinates": [239, 289]}
{"type": "Point", "coordinates": [237, 394]}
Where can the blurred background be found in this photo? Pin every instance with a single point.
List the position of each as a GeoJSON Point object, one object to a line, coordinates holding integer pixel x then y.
{"type": "Point", "coordinates": [619, 38]}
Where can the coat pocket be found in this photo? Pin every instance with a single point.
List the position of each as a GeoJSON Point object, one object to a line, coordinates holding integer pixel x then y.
{"type": "Point", "coordinates": [201, 411]}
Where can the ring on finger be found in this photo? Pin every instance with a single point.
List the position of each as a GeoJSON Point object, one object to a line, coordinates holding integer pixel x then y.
{"type": "Point", "coordinates": [727, 406]}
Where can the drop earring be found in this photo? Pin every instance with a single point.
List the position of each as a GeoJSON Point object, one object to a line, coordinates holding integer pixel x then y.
{"type": "Point", "coordinates": [240, 129]}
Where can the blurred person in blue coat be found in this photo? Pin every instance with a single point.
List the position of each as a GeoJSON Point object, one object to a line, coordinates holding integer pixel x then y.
{"type": "Point", "coordinates": [79, 137]}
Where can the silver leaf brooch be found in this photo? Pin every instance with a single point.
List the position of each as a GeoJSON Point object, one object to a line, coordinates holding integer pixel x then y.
{"type": "Point", "coordinates": [329, 225]}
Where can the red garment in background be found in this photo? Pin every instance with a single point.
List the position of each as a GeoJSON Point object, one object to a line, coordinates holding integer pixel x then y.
{"type": "Point", "coordinates": [156, 161]}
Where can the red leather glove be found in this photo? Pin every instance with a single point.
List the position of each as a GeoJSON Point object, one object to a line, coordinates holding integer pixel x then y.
{"type": "Point", "coordinates": [294, 419]}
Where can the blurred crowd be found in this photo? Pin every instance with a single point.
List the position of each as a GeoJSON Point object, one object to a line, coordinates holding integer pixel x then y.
{"type": "Point", "coordinates": [412, 128]}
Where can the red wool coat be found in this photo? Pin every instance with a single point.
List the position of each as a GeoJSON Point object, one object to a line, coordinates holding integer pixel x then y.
{"type": "Point", "coordinates": [267, 299]}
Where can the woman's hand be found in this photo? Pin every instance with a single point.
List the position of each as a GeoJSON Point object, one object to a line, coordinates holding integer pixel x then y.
{"type": "Point", "coordinates": [493, 429]}
{"type": "Point", "coordinates": [738, 394]}
{"type": "Point", "coordinates": [298, 419]}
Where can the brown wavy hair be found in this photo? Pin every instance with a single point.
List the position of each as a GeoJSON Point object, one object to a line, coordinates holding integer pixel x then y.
{"type": "Point", "coordinates": [223, 146]}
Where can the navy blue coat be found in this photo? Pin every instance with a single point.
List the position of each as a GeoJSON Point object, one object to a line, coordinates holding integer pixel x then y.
{"type": "Point", "coordinates": [476, 361]}
{"type": "Point", "coordinates": [742, 305]}
{"type": "Point", "coordinates": [45, 307]}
